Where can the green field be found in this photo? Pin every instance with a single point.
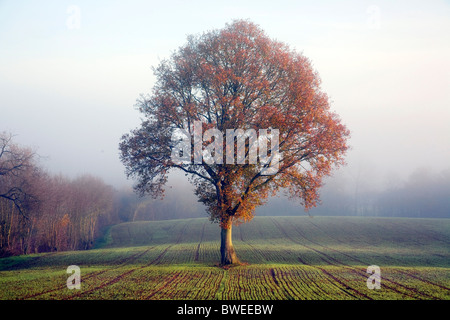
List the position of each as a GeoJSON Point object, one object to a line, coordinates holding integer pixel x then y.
{"type": "Point", "coordinates": [288, 258]}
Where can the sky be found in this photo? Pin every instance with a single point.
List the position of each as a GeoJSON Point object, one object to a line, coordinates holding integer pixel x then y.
{"type": "Point", "coordinates": [71, 71]}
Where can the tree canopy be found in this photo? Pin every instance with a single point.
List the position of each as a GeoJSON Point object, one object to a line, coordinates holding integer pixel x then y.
{"type": "Point", "coordinates": [236, 78]}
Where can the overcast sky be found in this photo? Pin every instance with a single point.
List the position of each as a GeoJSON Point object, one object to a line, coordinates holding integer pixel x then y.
{"type": "Point", "coordinates": [70, 73]}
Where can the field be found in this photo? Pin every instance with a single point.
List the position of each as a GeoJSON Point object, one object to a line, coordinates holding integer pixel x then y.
{"type": "Point", "coordinates": [287, 258]}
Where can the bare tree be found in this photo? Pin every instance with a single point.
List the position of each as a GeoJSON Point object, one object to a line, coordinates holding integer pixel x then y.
{"type": "Point", "coordinates": [18, 174]}
{"type": "Point", "coordinates": [16, 164]}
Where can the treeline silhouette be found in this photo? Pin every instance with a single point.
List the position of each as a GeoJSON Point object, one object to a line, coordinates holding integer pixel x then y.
{"type": "Point", "coordinates": [423, 194]}
{"type": "Point", "coordinates": [43, 212]}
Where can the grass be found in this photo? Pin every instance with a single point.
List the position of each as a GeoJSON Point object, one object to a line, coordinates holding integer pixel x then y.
{"type": "Point", "coordinates": [287, 258]}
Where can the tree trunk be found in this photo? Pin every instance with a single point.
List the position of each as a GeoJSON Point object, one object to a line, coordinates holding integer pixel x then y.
{"type": "Point", "coordinates": [227, 253]}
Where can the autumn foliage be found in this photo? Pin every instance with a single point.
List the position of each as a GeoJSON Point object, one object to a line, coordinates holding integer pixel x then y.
{"type": "Point", "coordinates": [237, 77]}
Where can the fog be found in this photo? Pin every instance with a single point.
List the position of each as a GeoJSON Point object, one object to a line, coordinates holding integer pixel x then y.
{"type": "Point", "coordinates": [70, 73]}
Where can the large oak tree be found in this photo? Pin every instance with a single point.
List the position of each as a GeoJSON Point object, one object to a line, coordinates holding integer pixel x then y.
{"type": "Point", "coordinates": [228, 79]}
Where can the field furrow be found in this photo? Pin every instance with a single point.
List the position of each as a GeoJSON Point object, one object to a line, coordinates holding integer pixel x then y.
{"type": "Point", "coordinates": [284, 258]}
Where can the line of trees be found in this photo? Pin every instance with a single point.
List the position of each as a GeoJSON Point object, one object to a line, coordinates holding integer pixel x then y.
{"type": "Point", "coordinates": [40, 212]}
{"type": "Point", "coordinates": [178, 203]}
{"type": "Point", "coordinates": [423, 194]}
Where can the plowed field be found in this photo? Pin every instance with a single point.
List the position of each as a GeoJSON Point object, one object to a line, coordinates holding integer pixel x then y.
{"type": "Point", "coordinates": [287, 258]}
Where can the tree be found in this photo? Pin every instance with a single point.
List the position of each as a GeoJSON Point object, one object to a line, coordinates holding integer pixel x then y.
{"type": "Point", "coordinates": [18, 172]}
{"type": "Point", "coordinates": [216, 93]}
{"type": "Point", "coordinates": [16, 165]}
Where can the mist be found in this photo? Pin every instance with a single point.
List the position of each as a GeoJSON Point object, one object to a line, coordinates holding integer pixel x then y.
{"type": "Point", "coordinates": [70, 76]}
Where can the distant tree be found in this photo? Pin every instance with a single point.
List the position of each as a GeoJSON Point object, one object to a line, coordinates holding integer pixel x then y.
{"type": "Point", "coordinates": [424, 194]}
{"type": "Point", "coordinates": [229, 79]}
{"type": "Point", "coordinates": [72, 212]}
{"type": "Point", "coordinates": [126, 202]}
{"type": "Point", "coordinates": [91, 199]}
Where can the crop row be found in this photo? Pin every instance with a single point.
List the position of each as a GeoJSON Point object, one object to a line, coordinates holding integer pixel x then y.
{"type": "Point", "coordinates": [288, 259]}
{"type": "Point", "coordinates": [281, 281]}
{"type": "Point", "coordinates": [157, 283]}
